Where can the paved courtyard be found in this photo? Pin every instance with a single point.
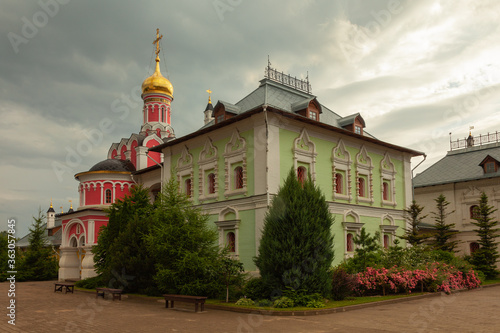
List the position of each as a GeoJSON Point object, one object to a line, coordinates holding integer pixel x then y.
{"type": "Point", "coordinates": [39, 309]}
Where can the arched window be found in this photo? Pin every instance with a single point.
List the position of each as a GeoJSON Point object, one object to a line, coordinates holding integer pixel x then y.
{"type": "Point", "coordinates": [361, 182]}
{"type": "Point", "coordinates": [187, 187]}
{"type": "Point", "coordinates": [338, 183]}
{"type": "Point", "coordinates": [474, 212]}
{"type": "Point", "coordinates": [108, 196]}
{"type": "Point", "coordinates": [162, 114]}
{"type": "Point", "coordinates": [350, 243]}
{"type": "Point", "coordinates": [386, 241]}
{"type": "Point", "coordinates": [231, 241]}
{"type": "Point", "coordinates": [473, 247]}
{"type": "Point", "coordinates": [238, 177]}
{"type": "Point", "coordinates": [385, 190]}
{"type": "Point", "coordinates": [78, 229]}
{"type": "Point", "coordinates": [301, 174]}
{"type": "Point", "coordinates": [73, 242]}
{"type": "Point", "coordinates": [211, 183]}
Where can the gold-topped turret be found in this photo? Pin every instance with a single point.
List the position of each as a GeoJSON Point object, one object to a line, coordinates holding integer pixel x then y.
{"type": "Point", "coordinates": [209, 97]}
{"type": "Point", "coordinates": [157, 83]}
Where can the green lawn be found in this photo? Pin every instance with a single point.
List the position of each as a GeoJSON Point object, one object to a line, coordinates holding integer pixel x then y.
{"type": "Point", "coordinates": [329, 305]}
{"type": "Point", "coordinates": [487, 282]}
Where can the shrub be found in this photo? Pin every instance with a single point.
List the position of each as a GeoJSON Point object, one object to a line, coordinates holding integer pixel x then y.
{"type": "Point", "coordinates": [315, 304]}
{"type": "Point", "coordinates": [300, 297]}
{"type": "Point", "coordinates": [264, 302]}
{"type": "Point", "coordinates": [245, 301]}
{"type": "Point", "coordinates": [91, 283]}
{"type": "Point", "coordinates": [283, 302]}
{"type": "Point", "coordinates": [256, 289]}
{"type": "Point", "coordinates": [342, 283]}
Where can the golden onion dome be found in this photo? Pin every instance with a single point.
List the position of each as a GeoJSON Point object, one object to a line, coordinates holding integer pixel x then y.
{"type": "Point", "coordinates": [157, 83]}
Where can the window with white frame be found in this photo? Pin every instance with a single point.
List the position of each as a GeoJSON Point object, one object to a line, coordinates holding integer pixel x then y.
{"type": "Point", "coordinates": [208, 171]}
{"type": "Point", "coordinates": [387, 181]}
{"type": "Point", "coordinates": [235, 162]}
{"type": "Point", "coordinates": [364, 176]}
{"type": "Point", "coordinates": [352, 227]}
{"type": "Point", "coordinates": [304, 152]}
{"type": "Point", "coordinates": [341, 172]}
{"type": "Point", "coordinates": [185, 172]}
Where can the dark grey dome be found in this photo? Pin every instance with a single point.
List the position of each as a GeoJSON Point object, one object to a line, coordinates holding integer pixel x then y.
{"type": "Point", "coordinates": [113, 165]}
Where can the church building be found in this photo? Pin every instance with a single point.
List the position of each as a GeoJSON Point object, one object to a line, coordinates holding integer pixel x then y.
{"type": "Point", "coordinates": [233, 166]}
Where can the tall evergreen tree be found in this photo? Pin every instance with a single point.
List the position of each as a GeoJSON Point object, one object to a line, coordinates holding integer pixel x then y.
{"type": "Point", "coordinates": [120, 255]}
{"type": "Point", "coordinates": [413, 215]}
{"type": "Point", "coordinates": [296, 248]}
{"type": "Point", "coordinates": [441, 239]}
{"type": "Point", "coordinates": [39, 263]}
{"type": "Point", "coordinates": [184, 247]}
{"type": "Point", "coordinates": [485, 258]}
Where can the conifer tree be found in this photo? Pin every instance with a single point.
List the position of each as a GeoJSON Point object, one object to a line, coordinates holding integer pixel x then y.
{"type": "Point", "coordinates": [413, 215]}
{"type": "Point", "coordinates": [39, 263]}
{"type": "Point", "coordinates": [485, 258]}
{"type": "Point", "coordinates": [296, 248]}
{"type": "Point", "coordinates": [441, 239]}
{"type": "Point", "coordinates": [120, 255]}
{"type": "Point", "coordinates": [366, 249]}
{"type": "Point", "coordinates": [184, 247]}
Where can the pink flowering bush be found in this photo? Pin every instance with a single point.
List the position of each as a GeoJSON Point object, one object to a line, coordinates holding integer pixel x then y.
{"type": "Point", "coordinates": [432, 277]}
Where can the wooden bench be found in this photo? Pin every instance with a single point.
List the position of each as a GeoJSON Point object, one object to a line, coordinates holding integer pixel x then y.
{"type": "Point", "coordinates": [67, 286]}
{"type": "Point", "coordinates": [188, 299]}
{"type": "Point", "coordinates": [116, 293]}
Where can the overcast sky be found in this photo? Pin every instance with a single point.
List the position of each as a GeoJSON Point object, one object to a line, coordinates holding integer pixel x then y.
{"type": "Point", "coordinates": [415, 70]}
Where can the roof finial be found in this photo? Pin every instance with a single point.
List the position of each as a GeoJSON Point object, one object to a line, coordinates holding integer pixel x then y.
{"type": "Point", "coordinates": [209, 97]}
{"type": "Point", "coordinates": [62, 211]}
{"type": "Point", "coordinates": [157, 42]}
{"type": "Point", "coordinates": [470, 129]}
{"type": "Point", "coordinates": [70, 204]}
{"type": "Point", "coordinates": [51, 203]}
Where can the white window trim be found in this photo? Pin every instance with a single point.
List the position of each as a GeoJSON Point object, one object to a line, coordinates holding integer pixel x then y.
{"type": "Point", "coordinates": [388, 174]}
{"type": "Point", "coordinates": [185, 168]}
{"type": "Point", "coordinates": [235, 153]}
{"type": "Point", "coordinates": [389, 230]}
{"type": "Point", "coordinates": [229, 225]}
{"type": "Point", "coordinates": [304, 151]}
{"type": "Point", "coordinates": [364, 167]}
{"type": "Point", "coordinates": [351, 227]}
{"type": "Point", "coordinates": [208, 160]}
{"type": "Point", "coordinates": [342, 164]}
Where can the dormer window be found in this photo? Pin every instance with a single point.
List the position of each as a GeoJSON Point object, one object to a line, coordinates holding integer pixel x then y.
{"type": "Point", "coordinates": [313, 115]}
{"type": "Point", "coordinates": [357, 129]}
{"type": "Point", "coordinates": [489, 167]}
{"type": "Point", "coordinates": [220, 118]}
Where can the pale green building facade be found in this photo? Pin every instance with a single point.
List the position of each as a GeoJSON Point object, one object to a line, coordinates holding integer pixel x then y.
{"type": "Point", "coordinates": [234, 165]}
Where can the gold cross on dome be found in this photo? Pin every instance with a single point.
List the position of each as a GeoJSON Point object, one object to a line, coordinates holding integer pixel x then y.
{"type": "Point", "coordinates": [157, 41]}
{"type": "Point", "coordinates": [209, 98]}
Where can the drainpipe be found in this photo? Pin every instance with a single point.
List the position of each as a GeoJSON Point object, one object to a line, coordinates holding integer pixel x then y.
{"type": "Point", "coordinates": [412, 187]}
{"type": "Point", "coordinates": [267, 155]}
{"type": "Point", "coordinates": [161, 170]}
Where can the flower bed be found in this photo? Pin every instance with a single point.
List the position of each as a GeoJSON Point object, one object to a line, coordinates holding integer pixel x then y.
{"type": "Point", "coordinates": [433, 277]}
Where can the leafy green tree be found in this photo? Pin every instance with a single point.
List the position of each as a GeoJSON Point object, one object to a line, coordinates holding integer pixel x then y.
{"type": "Point", "coordinates": [413, 215]}
{"type": "Point", "coordinates": [39, 263]}
{"type": "Point", "coordinates": [183, 247]}
{"type": "Point", "coordinates": [485, 258]}
{"type": "Point", "coordinates": [296, 248]}
{"type": "Point", "coordinates": [232, 272]}
{"type": "Point", "coordinates": [444, 231]}
{"type": "Point", "coordinates": [366, 249]}
{"type": "Point", "coordinates": [120, 256]}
